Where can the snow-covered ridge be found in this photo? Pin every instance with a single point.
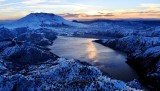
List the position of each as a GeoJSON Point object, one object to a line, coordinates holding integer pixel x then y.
{"type": "Point", "coordinates": [61, 75]}
{"type": "Point", "coordinates": [27, 64]}
{"type": "Point", "coordinates": [39, 20]}
{"type": "Point", "coordinates": [143, 55]}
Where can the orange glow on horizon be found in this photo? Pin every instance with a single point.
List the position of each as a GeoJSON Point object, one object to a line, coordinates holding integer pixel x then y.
{"type": "Point", "coordinates": [120, 16]}
{"type": "Point", "coordinates": [93, 15]}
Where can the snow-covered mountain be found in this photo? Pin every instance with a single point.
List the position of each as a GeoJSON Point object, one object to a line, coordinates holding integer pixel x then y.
{"type": "Point", "coordinates": [39, 20]}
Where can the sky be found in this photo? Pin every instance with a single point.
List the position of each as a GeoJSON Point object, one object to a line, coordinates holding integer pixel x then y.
{"type": "Point", "coordinates": [81, 9]}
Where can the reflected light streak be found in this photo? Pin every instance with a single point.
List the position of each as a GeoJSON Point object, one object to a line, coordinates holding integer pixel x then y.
{"type": "Point", "coordinates": [91, 49]}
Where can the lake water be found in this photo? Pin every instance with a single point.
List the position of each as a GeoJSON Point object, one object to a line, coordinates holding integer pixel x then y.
{"type": "Point", "coordinates": [107, 59]}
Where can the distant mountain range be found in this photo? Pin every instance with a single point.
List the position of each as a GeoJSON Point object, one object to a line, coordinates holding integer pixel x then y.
{"type": "Point", "coordinates": [49, 20]}
{"type": "Point", "coordinates": [153, 22]}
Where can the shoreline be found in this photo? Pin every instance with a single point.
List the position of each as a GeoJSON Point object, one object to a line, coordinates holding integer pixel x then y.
{"type": "Point", "coordinates": [148, 82]}
{"type": "Point", "coordinates": [134, 76]}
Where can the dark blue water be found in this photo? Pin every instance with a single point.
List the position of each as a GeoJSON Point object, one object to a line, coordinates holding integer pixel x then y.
{"type": "Point", "coordinates": [107, 59]}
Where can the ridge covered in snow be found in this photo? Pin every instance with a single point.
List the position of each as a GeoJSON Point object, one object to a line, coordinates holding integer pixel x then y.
{"type": "Point", "coordinates": [143, 55]}
{"type": "Point", "coordinates": [27, 65]}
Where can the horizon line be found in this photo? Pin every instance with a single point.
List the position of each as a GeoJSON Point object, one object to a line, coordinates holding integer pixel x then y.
{"type": "Point", "coordinates": [125, 18]}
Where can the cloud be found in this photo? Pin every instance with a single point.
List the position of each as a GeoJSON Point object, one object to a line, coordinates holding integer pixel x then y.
{"type": "Point", "coordinates": [143, 12]}
{"type": "Point", "coordinates": [69, 15]}
{"type": "Point", "coordinates": [77, 10]}
{"type": "Point", "coordinates": [60, 8]}
{"type": "Point", "coordinates": [100, 15]}
{"type": "Point", "coordinates": [133, 13]}
{"type": "Point", "coordinates": [2, 0]}
{"type": "Point", "coordinates": [149, 5]}
{"type": "Point", "coordinates": [31, 2]}
{"type": "Point", "coordinates": [9, 4]}
{"type": "Point", "coordinates": [85, 16]}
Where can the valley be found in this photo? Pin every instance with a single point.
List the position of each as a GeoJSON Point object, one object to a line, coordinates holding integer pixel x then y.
{"type": "Point", "coordinates": [45, 51]}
